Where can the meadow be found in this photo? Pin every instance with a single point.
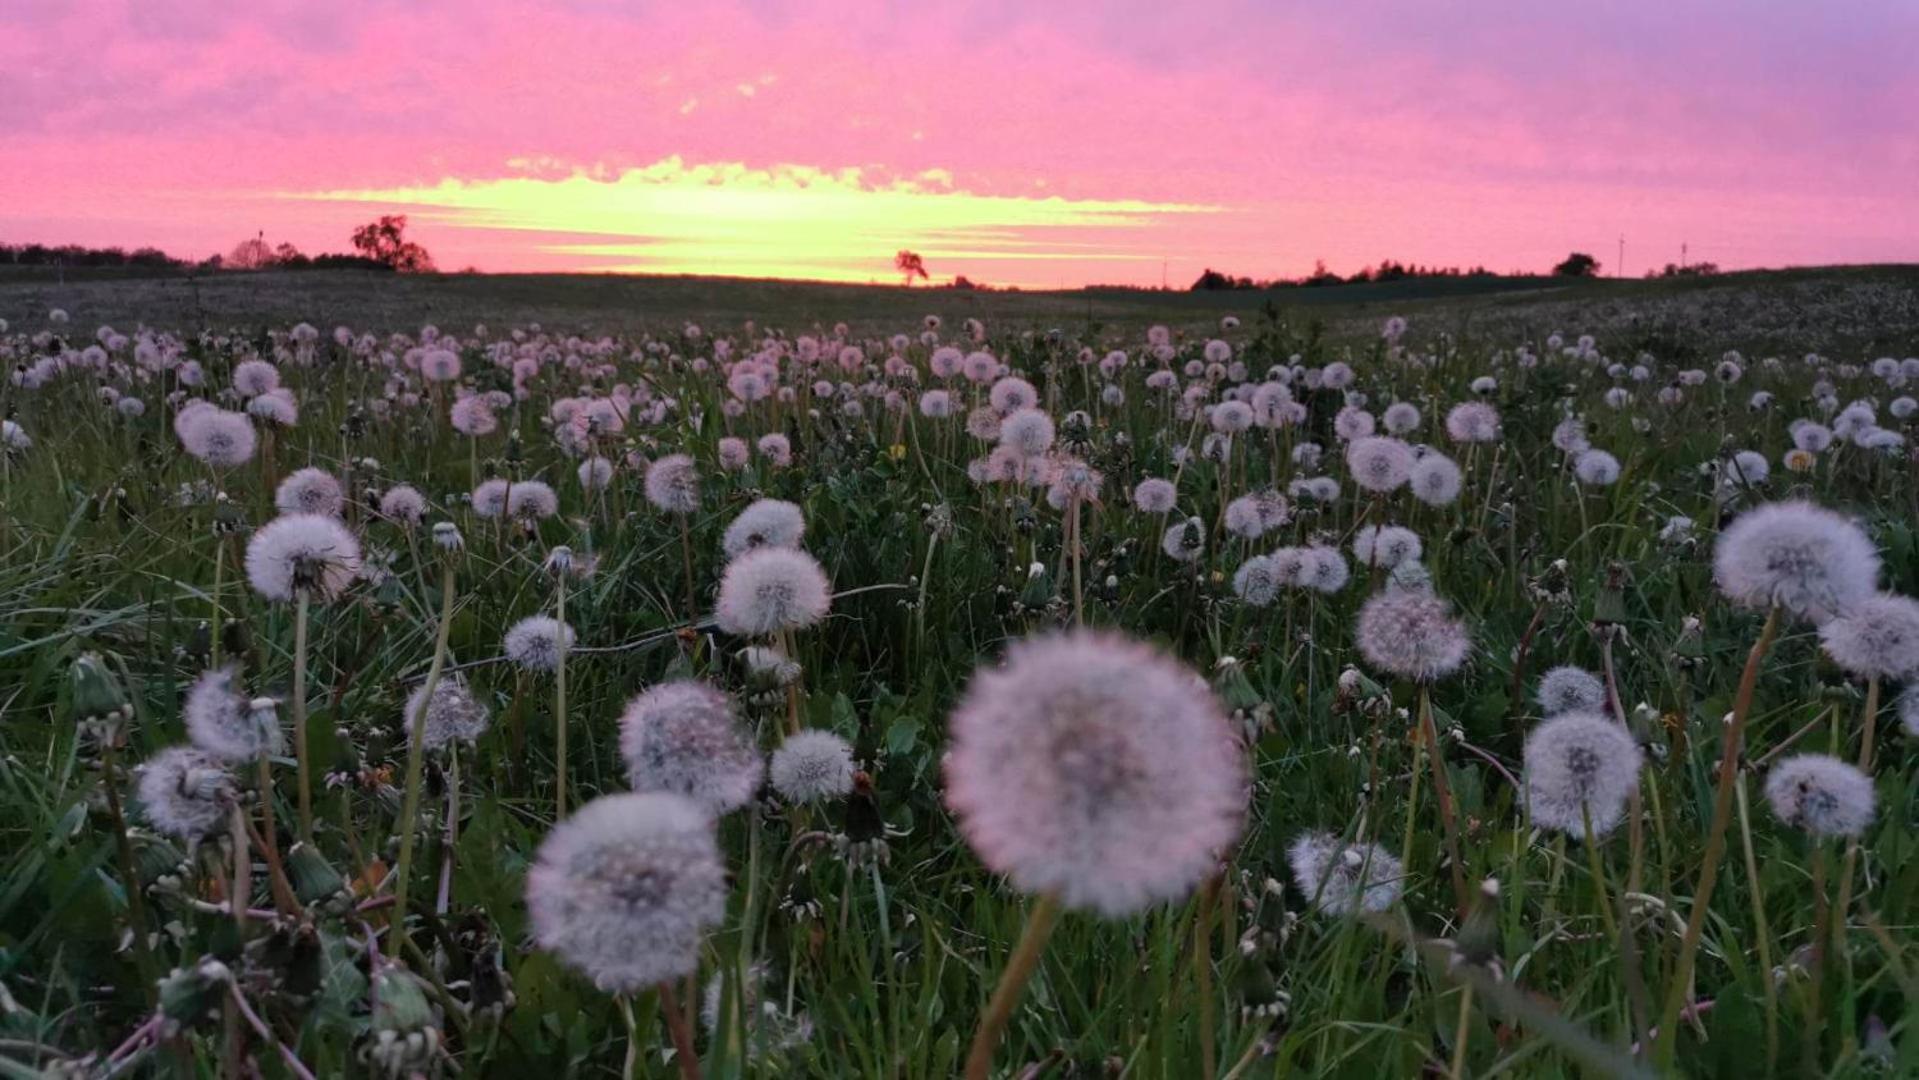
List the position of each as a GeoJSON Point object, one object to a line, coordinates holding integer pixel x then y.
{"type": "Point", "coordinates": [480, 676]}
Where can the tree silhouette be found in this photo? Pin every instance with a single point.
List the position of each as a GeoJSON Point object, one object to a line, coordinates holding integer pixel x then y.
{"type": "Point", "coordinates": [910, 265]}
{"type": "Point", "coordinates": [1578, 264]}
{"type": "Point", "coordinates": [253, 253]}
{"type": "Point", "coordinates": [384, 241]}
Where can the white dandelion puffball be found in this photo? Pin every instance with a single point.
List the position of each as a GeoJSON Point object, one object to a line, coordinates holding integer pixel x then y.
{"type": "Point", "coordinates": [1596, 468]}
{"type": "Point", "coordinates": [1386, 546]}
{"type": "Point", "coordinates": [1095, 768]}
{"type": "Point", "coordinates": [673, 484]}
{"type": "Point", "coordinates": [1379, 462]}
{"type": "Point", "coordinates": [625, 890]}
{"type": "Point", "coordinates": [764, 523]}
{"type": "Point", "coordinates": [1473, 422]}
{"type": "Point", "coordinates": [489, 499]}
{"type": "Point", "coordinates": [1411, 633]}
{"type": "Point", "coordinates": [811, 767]}
{"type": "Point", "coordinates": [1876, 638]}
{"type": "Point", "coordinates": [224, 722]}
{"type": "Point", "coordinates": [1806, 559]}
{"type": "Point", "coordinates": [313, 552]}
{"type": "Point", "coordinates": [1257, 581]}
{"type": "Point", "coordinates": [1435, 480]}
{"type": "Point", "coordinates": [531, 500]}
{"type": "Point", "coordinates": [1570, 689]}
{"type": "Point", "coordinates": [185, 792]}
{"type": "Point", "coordinates": [403, 504]}
{"type": "Point", "coordinates": [453, 716]}
{"type": "Point", "coordinates": [1154, 495]}
{"type": "Point", "coordinates": [769, 589]}
{"type": "Point", "coordinates": [310, 491]}
{"type": "Point", "coordinates": [595, 473]}
{"type": "Point", "coordinates": [1342, 879]}
{"type": "Point", "coordinates": [1028, 432]}
{"type": "Point", "coordinates": [220, 438]}
{"type": "Point", "coordinates": [1184, 541]}
{"type": "Point", "coordinates": [538, 642]}
{"type": "Point", "coordinates": [1580, 765]}
{"type": "Point", "coordinates": [1401, 418]}
{"type": "Point", "coordinates": [1820, 794]}
{"type": "Point", "coordinates": [1908, 708]}
{"type": "Point", "coordinates": [685, 738]}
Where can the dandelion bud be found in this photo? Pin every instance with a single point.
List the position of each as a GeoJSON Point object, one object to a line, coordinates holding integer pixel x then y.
{"type": "Point", "coordinates": [188, 995]}
{"type": "Point", "coordinates": [100, 704]}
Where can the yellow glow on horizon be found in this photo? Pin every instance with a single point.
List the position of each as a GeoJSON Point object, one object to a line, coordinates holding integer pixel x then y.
{"type": "Point", "coordinates": [784, 221]}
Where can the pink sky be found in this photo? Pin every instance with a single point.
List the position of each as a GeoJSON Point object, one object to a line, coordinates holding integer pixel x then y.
{"type": "Point", "coordinates": [1014, 142]}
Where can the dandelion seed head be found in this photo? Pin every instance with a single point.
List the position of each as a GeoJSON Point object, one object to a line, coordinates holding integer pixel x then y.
{"type": "Point", "coordinates": [1386, 546]}
{"type": "Point", "coordinates": [673, 484]}
{"type": "Point", "coordinates": [1580, 765]}
{"type": "Point", "coordinates": [770, 589]}
{"type": "Point", "coordinates": [625, 890]}
{"type": "Point", "coordinates": [1379, 463]}
{"type": "Point", "coordinates": [684, 737]}
{"type": "Point", "coordinates": [1473, 422]}
{"type": "Point", "coordinates": [224, 723]}
{"type": "Point", "coordinates": [403, 504]}
{"type": "Point", "coordinates": [1877, 637]}
{"type": "Point", "coordinates": [1411, 633]}
{"type": "Point", "coordinates": [531, 500]}
{"type": "Point", "coordinates": [1804, 558]}
{"type": "Point", "coordinates": [310, 491]}
{"type": "Point", "coordinates": [537, 642]}
{"type": "Point", "coordinates": [1095, 768]}
{"type": "Point", "coordinates": [453, 715]}
{"type": "Point", "coordinates": [1154, 495]}
{"type": "Point", "coordinates": [1820, 794]}
{"type": "Point", "coordinates": [311, 551]}
{"type": "Point", "coordinates": [812, 767]}
{"type": "Point", "coordinates": [1596, 468]}
{"type": "Point", "coordinates": [1343, 879]}
{"type": "Point", "coordinates": [1570, 689]}
{"type": "Point", "coordinates": [1027, 432]}
{"type": "Point", "coordinates": [185, 792]}
{"type": "Point", "coordinates": [220, 438]}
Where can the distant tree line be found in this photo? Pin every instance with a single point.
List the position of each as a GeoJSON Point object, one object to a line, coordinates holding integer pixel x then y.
{"type": "Point", "coordinates": [1576, 265]}
{"type": "Point", "coordinates": [377, 245]}
{"type": "Point", "coordinates": [1386, 270]}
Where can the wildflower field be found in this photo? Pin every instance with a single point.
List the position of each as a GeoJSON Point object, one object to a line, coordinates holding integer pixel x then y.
{"type": "Point", "coordinates": [1524, 685]}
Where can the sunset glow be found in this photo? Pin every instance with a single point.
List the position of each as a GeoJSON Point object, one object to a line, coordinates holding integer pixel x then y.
{"type": "Point", "coordinates": [786, 221]}
{"type": "Point", "coordinates": [1039, 145]}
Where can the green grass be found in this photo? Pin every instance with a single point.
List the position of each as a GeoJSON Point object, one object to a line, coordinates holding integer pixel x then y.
{"type": "Point", "coordinates": [892, 961]}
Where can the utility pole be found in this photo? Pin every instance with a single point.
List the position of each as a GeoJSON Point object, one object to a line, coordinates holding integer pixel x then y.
{"type": "Point", "coordinates": [1682, 255]}
{"type": "Point", "coordinates": [1619, 268]}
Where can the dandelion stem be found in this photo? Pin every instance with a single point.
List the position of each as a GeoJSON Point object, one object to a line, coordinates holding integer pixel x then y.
{"type": "Point", "coordinates": [1442, 794]}
{"type": "Point", "coordinates": [1203, 971]}
{"type": "Point", "coordinates": [1868, 724]}
{"type": "Point", "coordinates": [1762, 933]}
{"type": "Point", "coordinates": [559, 702]}
{"type": "Point", "coordinates": [300, 602]}
{"type": "Point", "coordinates": [1012, 983]}
{"type": "Point", "coordinates": [1460, 1035]}
{"type": "Point", "coordinates": [1715, 841]}
{"type": "Point", "coordinates": [129, 870]}
{"type": "Point", "coordinates": [687, 1058]}
{"type": "Point", "coordinates": [416, 753]}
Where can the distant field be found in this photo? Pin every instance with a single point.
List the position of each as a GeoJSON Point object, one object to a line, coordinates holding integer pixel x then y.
{"type": "Point", "coordinates": [1841, 309]}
